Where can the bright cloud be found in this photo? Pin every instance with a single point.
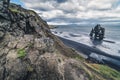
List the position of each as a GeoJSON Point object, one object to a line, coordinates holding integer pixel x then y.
{"type": "Point", "coordinates": [76, 11]}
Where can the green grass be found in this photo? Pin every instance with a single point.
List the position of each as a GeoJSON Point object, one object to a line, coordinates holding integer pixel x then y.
{"type": "Point", "coordinates": [14, 10]}
{"type": "Point", "coordinates": [21, 53]}
{"type": "Point", "coordinates": [106, 71]}
{"type": "Point", "coordinates": [79, 57]}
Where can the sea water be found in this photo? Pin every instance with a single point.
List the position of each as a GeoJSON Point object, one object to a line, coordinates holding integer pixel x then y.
{"type": "Point", "coordinates": [80, 33]}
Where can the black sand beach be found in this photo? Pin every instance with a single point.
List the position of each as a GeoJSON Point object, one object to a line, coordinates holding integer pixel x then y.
{"type": "Point", "coordinates": [87, 51]}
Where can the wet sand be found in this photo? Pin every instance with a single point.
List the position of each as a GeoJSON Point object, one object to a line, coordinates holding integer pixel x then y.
{"type": "Point", "coordinates": [87, 51]}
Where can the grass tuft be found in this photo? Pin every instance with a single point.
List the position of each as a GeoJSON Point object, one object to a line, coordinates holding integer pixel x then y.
{"type": "Point", "coordinates": [105, 71]}
{"type": "Point", "coordinates": [21, 53]}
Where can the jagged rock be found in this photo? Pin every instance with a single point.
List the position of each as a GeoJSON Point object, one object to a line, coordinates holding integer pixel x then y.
{"type": "Point", "coordinates": [4, 4]}
{"type": "Point", "coordinates": [1, 34]}
{"type": "Point", "coordinates": [29, 51]}
{"type": "Point", "coordinates": [97, 33]}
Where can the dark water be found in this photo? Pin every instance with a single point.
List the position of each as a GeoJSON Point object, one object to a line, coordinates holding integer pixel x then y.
{"type": "Point", "coordinates": [80, 33]}
{"type": "Point", "coordinates": [111, 31]}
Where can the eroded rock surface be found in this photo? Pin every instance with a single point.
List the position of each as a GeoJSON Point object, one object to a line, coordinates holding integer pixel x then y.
{"type": "Point", "coordinates": [29, 51]}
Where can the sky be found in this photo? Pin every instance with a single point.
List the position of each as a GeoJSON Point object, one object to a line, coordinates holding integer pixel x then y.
{"type": "Point", "coordinates": [75, 11]}
{"type": "Point", "coordinates": [18, 2]}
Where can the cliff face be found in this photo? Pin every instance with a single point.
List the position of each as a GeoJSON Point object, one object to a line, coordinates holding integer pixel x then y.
{"type": "Point", "coordinates": [29, 51]}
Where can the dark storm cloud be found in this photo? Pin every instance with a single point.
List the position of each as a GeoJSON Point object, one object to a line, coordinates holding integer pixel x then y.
{"type": "Point", "coordinates": [61, 1]}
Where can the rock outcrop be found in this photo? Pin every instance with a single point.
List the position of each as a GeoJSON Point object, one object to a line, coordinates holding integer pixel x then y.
{"type": "Point", "coordinates": [29, 51]}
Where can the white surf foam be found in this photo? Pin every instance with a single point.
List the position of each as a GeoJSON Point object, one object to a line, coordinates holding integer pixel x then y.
{"type": "Point", "coordinates": [110, 48]}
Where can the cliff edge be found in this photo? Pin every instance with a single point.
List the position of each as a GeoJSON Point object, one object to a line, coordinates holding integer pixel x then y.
{"type": "Point", "coordinates": [29, 51]}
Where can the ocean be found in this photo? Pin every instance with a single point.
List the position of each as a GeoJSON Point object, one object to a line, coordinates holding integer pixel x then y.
{"type": "Point", "coordinates": [80, 34]}
{"type": "Point", "coordinates": [112, 32]}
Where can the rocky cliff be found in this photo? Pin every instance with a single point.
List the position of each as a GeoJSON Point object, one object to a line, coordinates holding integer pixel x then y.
{"type": "Point", "coordinates": [29, 51]}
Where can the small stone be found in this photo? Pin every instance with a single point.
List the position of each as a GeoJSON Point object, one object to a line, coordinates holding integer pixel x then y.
{"type": "Point", "coordinates": [12, 55]}
{"type": "Point", "coordinates": [12, 44]}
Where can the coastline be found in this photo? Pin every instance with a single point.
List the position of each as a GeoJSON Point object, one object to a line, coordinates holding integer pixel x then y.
{"type": "Point", "coordinates": [87, 51]}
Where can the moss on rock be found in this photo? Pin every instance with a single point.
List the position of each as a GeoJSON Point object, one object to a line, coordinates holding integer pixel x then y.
{"type": "Point", "coordinates": [21, 53]}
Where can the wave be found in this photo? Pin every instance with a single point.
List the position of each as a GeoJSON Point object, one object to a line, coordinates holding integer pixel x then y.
{"type": "Point", "coordinates": [107, 45]}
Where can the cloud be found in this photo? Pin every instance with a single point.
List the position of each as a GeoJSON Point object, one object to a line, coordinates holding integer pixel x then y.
{"type": "Point", "coordinates": [100, 5]}
{"type": "Point", "coordinates": [76, 11]}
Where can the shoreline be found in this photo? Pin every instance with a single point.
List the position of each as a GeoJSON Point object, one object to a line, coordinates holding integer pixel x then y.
{"type": "Point", "coordinates": [87, 51]}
